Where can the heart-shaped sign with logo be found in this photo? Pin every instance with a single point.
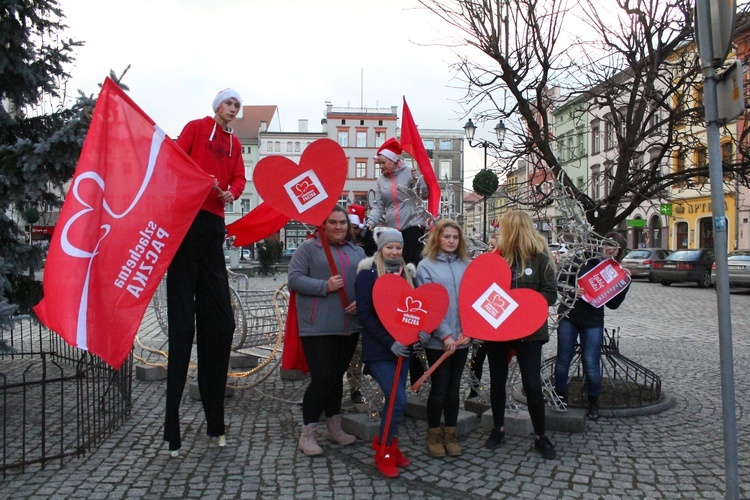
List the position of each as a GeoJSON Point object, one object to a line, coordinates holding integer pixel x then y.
{"type": "Point", "coordinates": [306, 192]}
{"type": "Point", "coordinates": [404, 310]}
{"type": "Point", "coordinates": [490, 310]}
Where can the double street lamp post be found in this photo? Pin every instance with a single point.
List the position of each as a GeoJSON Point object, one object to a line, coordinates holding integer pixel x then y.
{"type": "Point", "coordinates": [470, 129]}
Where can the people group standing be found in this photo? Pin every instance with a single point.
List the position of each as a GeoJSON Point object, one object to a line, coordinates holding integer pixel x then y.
{"type": "Point", "coordinates": [198, 300]}
{"type": "Point", "coordinates": [446, 257]}
{"type": "Point", "coordinates": [328, 325]}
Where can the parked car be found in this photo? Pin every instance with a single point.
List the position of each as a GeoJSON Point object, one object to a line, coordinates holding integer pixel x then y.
{"type": "Point", "coordinates": [738, 264]}
{"type": "Point", "coordinates": [641, 261]}
{"type": "Point", "coordinates": [558, 250]}
{"type": "Point", "coordinates": [685, 265]}
{"type": "Point", "coordinates": [286, 255]}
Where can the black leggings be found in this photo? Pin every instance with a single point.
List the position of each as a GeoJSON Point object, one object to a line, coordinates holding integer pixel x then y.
{"type": "Point", "coordinates": [529, 356]}
{"type": "Point", "coordinates": [328, 357]}
{"type": "Point", "coordinates": [445, 392]}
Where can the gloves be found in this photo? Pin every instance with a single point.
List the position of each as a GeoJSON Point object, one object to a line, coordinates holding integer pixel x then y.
{"type": "Point", "coordinates": [400, 349]}
{"type": "Point", "coordinates": [424, 337]}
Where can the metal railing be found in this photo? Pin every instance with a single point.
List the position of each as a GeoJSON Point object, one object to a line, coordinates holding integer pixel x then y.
{"type": "Point", "coordinates": [58, 401]}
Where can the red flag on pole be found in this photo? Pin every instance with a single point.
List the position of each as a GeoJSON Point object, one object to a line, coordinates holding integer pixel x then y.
{"type": "Point", "coordinates": [259, 223]}
{"type": "Point", "coordinates": [411, 142]}
{"type": "Point", "coordinates": [131, 201]}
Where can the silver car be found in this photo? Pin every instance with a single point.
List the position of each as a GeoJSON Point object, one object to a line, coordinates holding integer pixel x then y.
{"type": "Point", "coordinates": [738, 264]}
{"type": "Point", "coordinates": [640, 261]}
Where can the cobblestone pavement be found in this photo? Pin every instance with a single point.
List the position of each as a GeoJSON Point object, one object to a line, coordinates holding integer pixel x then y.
{"type": "Point", "coordinates": [674, 454]}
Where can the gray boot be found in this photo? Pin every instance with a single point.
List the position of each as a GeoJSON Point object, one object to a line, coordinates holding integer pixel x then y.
{"type": "Point", "coordinates": [337, 433]}
{"type": "Point", "coordinates": [307, 442]}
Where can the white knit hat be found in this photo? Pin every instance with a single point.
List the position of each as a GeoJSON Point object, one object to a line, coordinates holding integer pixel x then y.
{"type": "Point", "coordinates": [224, 95]}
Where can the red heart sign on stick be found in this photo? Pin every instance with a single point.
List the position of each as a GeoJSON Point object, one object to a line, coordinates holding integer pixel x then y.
{"type": "Point", "coordinates": [306, 192]}
{"type": "Point", "coordinates": [404, 310]}
{"type": "Point", "coordinates": [490, 310]}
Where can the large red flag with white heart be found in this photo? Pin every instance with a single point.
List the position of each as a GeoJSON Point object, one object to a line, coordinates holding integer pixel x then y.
{"type": "Point", "coordinates": [131, 201]}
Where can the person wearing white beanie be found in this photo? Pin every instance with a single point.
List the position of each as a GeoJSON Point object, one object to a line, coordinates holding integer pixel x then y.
{"type": "Point", "coordinates": [197, 283]}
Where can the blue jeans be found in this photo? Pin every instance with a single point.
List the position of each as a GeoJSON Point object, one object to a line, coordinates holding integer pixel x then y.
{"type": "Point", "coordinates": [384, 372]}
{"type": "Point", "coordinates": [591, 348]}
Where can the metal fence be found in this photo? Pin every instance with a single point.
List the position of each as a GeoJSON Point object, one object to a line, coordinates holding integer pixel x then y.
{"type": "Point", "coordinates": [57, 401]}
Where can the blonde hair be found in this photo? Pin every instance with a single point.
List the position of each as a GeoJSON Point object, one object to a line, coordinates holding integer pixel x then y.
{"type": "Point", "coordinates": [432, 248]}
{"type": "Point", "coordinates": [520, 242]}
{"type": "Point", "coordinates": [380, 266]}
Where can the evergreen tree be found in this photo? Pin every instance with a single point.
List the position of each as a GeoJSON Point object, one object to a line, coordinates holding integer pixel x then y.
{"type": "Point", "coordinates": [40, 137]}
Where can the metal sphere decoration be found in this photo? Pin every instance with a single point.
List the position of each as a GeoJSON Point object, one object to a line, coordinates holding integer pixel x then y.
{"type": "Point", "coordinates": [485, 183]}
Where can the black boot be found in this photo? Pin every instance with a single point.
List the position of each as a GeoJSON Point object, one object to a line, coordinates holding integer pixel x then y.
{"type": "Point", "coordinates": [594, 408]}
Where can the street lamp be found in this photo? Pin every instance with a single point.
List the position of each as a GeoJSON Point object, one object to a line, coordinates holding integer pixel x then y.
{"type": "Point", "coordinates": [470, 129]}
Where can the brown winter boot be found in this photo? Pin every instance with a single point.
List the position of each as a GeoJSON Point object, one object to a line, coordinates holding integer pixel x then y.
{"type": "Point", "coordinates": [452, 448]}
{"type": "Point", "coordinates": [307, 442]}
{"type": "Point", "coordinates": [337, 433]}
{"type": "Point", "coordinates": [435, 445]}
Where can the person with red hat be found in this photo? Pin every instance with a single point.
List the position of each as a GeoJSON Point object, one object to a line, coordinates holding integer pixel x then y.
{"type": "Point", "coordinates": [392, 205]}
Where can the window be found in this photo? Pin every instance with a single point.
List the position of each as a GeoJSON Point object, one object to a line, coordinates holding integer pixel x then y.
{"type": "Point", "coordinates": [229, 208]}
{"type": "Point", "coordinates": [571, 149]}
{"type": "Point", "coordinates": [343, 122]}
{"type": "Point", "coordinates": [269, 146]}
{"type": "Point", "coordinates": [296, 147]}
{"type": "Point", "coordinates": [379, 139]}
{"type": "Point", "coordinates": [445, 144]}
{"type": "Point", "coordinates": [429, 144]}
{"type": "Point", "coordinates": [595, 139]}
{"type": "Point", "coordinates": [444, 169]}
{"type": "Point", "coordinates": [579, 183]}
{"type": "Point", "coordinates": [343, 138]}
{"type": "Point", "coordinates": [289, 147]}
{"type": "Point", "coordinates": [361, 122]}
{"type": "Point", "coordinates": [609, 136]}
{"type": "Point", "coordinates": [245, 205]}
{"type": "Point", "coordinates": [377, 170]}
{"type": "Point", "coordinates": [360, 172]}
{"type": "Point", "coordinates": [343, 201]}
{"type": "Point", "coordinates": [701, 161]}
{"type": "Point", "coordinates": [595, 180]}
{"type": "Point", "coordinates": [361, 139]}
{"type": "Point", "coordinates": [277, 146]}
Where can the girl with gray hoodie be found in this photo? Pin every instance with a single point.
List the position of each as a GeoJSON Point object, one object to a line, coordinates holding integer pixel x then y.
{"type": "Point", "coordinates": [444, 261]}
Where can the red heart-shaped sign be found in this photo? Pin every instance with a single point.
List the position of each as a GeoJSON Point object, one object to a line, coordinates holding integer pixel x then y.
{"type": "Point", "coordinates": [306, 192]}
{"type": "Point", "coordinates": [404, 310]}
{"type": "Point", "coordinates": [490, 310]}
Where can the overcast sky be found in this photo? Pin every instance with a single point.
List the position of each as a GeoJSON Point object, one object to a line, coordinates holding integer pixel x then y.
{"type": "Point", "coordinates": [296, 54]}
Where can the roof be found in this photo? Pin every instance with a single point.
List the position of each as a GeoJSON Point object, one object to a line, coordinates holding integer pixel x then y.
{"type": "Point", "coordinates": [248, 126]}
{"type": "Point", "coordinates": [472, 197]}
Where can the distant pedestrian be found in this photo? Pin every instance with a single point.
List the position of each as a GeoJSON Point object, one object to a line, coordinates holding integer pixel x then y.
{"type": "Point", "coordinates": [531, 267]}
{"type": "Point", "coordinates": [328, 329]}
{"type": "Point", "coordinates": [380, 351]}
{"type": "Point", "coordinates": [446, 258]}
{"type": "Point", "coordinates": [197, 282]}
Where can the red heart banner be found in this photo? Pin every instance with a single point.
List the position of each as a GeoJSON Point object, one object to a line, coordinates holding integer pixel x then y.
{"type": "Point", "coordinates": [404, 310]}
{"type": "Point", "coordinates": [490, 310]}
{"type": "Point", "coordinates": [306, 192]}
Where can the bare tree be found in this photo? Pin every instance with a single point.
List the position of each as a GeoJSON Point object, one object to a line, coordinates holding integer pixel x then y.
{"type": "Point", "coordinates": [630, 63]}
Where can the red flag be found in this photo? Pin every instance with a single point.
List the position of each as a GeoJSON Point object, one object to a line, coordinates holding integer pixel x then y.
{"type": "Point", "coordinates": [259, 223]}
{"type": "Point", "coordinates": [411, 142]}
{"type": "Point", "coordinates": [131, 201]}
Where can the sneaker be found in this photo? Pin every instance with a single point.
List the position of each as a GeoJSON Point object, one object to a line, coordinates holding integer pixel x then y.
{"type": "Point", "coordinates": [358, 398]}
{"type": "Point", "coordinates": [544, 446]}
{"type": "Point", "coordinates": [496, 439]}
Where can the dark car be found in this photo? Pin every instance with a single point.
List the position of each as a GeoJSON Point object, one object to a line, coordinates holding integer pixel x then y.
{"type": "Point", "coordinates": [738, 269]}
{"type": "Point", "coordinates": [685, 265]}
{"type": "Point", "coordinates": [640, 261]}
